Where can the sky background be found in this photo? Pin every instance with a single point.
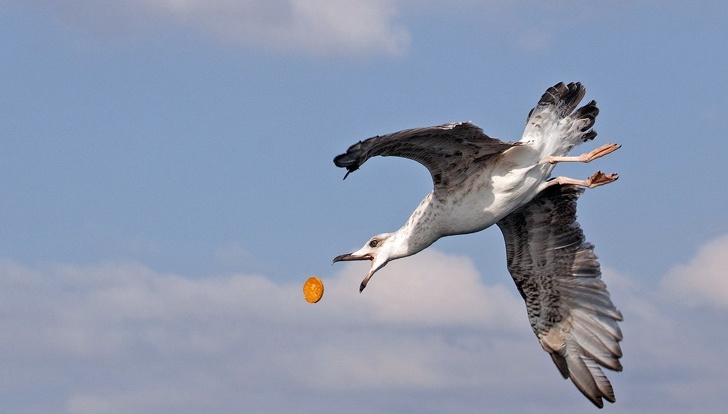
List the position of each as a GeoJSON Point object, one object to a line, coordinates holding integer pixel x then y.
{"type": "Point", "coordinates": [166, 186]}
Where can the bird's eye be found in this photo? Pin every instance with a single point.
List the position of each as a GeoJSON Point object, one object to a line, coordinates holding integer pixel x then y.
{"type": "Point", "coordinates": [374, 243]}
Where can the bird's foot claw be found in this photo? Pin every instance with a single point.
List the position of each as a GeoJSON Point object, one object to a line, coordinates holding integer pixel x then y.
{"type": "Point", "coordinates": [599, 178]}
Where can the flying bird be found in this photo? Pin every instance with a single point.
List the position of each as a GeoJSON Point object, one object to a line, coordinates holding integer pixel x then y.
{"type": "Point", "coordinates": [480, 181]}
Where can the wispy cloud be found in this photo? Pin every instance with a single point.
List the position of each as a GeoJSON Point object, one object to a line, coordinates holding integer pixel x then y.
{"type": "Point", "coordinates": [121, 338]}
{"type": "Point", "coordinates": [702, 281]}
{"type": "Point", "coordinates": [326, 27]}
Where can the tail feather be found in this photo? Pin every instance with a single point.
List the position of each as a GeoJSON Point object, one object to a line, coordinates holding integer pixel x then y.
{"type": "Point", "coordinates": [565, 97]}
{"type": "Point", "coordinates": [589, 135]}
{"type": "Point", "coordinates": [556, 115]}
{"type": "Point", "coordinates": [588, 111]}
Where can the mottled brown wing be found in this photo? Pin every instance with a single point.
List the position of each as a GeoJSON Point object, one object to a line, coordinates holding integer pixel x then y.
{"type": "Point", "coordinates": [449, 151]}
{"type": "Point", "coordinates": [559, 278]}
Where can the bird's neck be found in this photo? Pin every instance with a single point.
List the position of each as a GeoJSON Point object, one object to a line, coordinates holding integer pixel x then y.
{"type": "Point", "coordinates": [420, 231]}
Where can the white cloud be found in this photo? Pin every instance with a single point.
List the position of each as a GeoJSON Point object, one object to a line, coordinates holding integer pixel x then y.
{"type": "Point", "coordinates": [426, 334]}
{"type": "Point", "coordinates": [123, 338]}
{"type": "Point", "coordinates": [431, 289]}
{"type": "Point", "coordinates": [320, 27]}
{"type": "Point", "coordinates": [327, 27]}
{"type": "Point", "coordinates": [703, 280]}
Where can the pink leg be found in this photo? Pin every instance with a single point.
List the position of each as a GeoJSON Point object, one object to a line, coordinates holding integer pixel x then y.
{"type": "Point", "coordinates": [587, 157]}
{"type": "Point", "coordinates": [599, 178]}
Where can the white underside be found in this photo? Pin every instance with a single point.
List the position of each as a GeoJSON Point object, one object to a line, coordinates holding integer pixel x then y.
{"type": "Point", "coordinates": [510, 181]}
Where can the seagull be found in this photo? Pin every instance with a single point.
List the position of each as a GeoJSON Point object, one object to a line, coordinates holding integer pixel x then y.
{"type": "Point", "coordinates": [480, 181]}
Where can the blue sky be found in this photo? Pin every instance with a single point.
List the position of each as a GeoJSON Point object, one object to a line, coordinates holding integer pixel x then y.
{"type": "Point", "coordinates": [167, 185]}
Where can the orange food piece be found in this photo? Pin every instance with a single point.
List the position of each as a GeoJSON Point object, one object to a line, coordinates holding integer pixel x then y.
{"type": "Point", "coordinates": [313, 289]}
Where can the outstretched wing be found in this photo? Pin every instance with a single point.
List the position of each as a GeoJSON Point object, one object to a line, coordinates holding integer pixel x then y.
{"type": "Point", "coordinates": [558, 276]}
{"type": "Point", "coordinates": [448, 151]}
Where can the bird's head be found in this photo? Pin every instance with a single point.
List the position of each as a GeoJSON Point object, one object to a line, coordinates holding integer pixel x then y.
{"type": "Point", "coordinates": [380, 249]}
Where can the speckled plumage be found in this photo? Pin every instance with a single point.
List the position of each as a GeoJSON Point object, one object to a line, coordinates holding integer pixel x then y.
{"type": "Point", "coordinates": [480, 181]}
{"type": "Point", "coordinates": [558, 276]}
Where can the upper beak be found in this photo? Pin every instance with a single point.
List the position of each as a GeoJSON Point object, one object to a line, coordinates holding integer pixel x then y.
{"type": "Point", "coordinates": [350, 257]}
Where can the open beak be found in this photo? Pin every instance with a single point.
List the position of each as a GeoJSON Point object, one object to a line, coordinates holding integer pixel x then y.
{"type": "Point", "coordinates": [351, 257]}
